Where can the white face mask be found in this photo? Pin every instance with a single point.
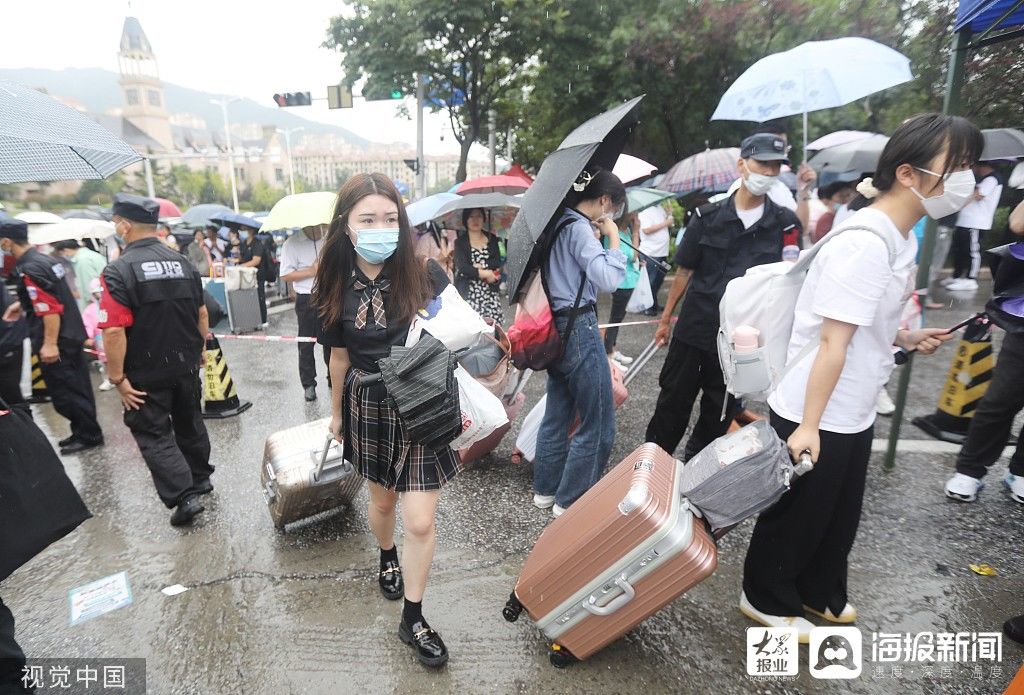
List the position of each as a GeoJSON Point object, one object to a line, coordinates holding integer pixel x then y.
{"type": "Point", "coordinates": [956, 193]}
{"type": "Point", "coordinates": [759, 184]}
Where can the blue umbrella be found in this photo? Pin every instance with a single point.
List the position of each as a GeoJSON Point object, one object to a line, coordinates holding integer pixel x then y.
{"type": "Point", "coordinates": [425, 209]}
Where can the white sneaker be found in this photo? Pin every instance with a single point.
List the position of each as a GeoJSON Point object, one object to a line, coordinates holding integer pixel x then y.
{"type": "Point", "coordinates": [884, 404]}
{"type": "Point", "coordinates": [962, 285]}
{"type": "Point", "coordinates": [106, 385]}
{"type": "Point", "coordinates": [848, 614]}
{"type": "Point", "coordinates": [963, 488]}
{"type": "Point", "coordinates": [543, 501]}
{"type": "Point", "coordinates": [557, 511]}
{"type": "Point", "coordinates": [946, 282]}
{"type": "Point", "coordinates": [1015, 484]}
{"type": "Point", "coordinates": [622, 359]}
{"type": "Point", "coordinates": [802, 624]}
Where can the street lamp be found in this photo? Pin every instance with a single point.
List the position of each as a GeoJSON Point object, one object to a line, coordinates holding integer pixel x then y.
{"type": "Point", "coordinates": [231, 156]}
{"type": "Point", "coordinates": [288, 147]}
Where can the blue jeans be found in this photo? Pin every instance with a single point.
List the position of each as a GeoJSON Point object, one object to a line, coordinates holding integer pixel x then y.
{"type": "Point", "coordinates": [578, 383]}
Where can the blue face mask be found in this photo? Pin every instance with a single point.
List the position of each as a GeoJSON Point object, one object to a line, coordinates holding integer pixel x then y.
{"type": "Point", "coordinates": [243, 235]}
{"type": "Point", "coordinates": [376, 245]}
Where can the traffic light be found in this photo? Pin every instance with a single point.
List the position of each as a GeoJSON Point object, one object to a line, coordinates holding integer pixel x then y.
{"type": "Point", "coordinates": [293, 99]}
{"type": "Point", "coordinates": [339, 96]}
{"type": "Point", "coordinates": [413, 164]}
{"type": "Point", "coordinates": [396, 94]}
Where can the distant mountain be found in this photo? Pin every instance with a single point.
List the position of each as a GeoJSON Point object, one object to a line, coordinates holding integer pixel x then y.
{"type": "Point", "coordinates": [97, 90]}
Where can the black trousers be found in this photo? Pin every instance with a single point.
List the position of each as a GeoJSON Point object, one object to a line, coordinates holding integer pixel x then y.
{"type": "Point", "coordinates": [69, 385]}
{"type": "Point", "coordinates": [620, 298]}
{"type": "Point", "coordinates": [309, 327]}
{"type": "Point", "coordinates": [990, 426]}
{"type": "Point", "coordinates": [688, 371]}
{"type": "Point", "coordinates": [10, 379]}
{"type": "Point", "coordinates": [966, 249]}
{"type": "Point", "coordinates": [799, 549]}
{"type": "Point", "coordinates": [172, 437]}
{"type": "Point", "coordinates": [261, 291]}
{"type": "Point", "coordinates": [12, 658]}
{"type": "Point", "coordinates": [657, 277]}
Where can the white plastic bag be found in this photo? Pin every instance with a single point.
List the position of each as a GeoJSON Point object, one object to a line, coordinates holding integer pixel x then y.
{"type": "Point", "coordinates": [482, 411]}
{"type": "Point", "coordinates": [526, 440]}
{"type": "Point", "coordinates": [449, 318]}
{"type": "Point", "coordinates": [641, 300]}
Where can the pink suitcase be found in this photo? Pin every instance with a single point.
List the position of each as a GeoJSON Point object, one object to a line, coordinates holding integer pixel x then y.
{"type": "Point", "coordinates": [628, 547]}
{"type": "Point", "coordinates": [489, 443]}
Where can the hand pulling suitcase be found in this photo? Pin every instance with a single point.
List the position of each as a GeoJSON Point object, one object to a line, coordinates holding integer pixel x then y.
{"type": "Point", "coordinates": [620, 553]}
{"type": "Point", "coordinates": [304, 473]}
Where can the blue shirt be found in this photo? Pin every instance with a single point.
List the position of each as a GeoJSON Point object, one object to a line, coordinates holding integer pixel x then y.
{"type": "Point", "coordinates": [577, 250]}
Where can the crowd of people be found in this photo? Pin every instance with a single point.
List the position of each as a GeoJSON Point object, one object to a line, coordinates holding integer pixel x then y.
{"type": "Point", "coordinates": [360, 281]}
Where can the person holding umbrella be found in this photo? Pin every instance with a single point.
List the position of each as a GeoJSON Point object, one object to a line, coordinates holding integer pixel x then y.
{"type": "Point", "coordinates": [369, 285]}
{"type": "Point", "coordinates": [478, 265]}
{"type": "Point", "coordinates": [578, 266]}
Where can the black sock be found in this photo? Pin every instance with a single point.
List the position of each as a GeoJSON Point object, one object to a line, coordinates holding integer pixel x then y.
{"type": "Point", "coordinates": [412, 612]}
{"type": "Point", "coordinates": [390, 555]}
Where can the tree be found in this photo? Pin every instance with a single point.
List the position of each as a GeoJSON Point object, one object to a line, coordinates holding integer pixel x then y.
{"type": "Point", "coordinates": [262, 195]}
{"type": "Point", "coordinates": [472, 54]}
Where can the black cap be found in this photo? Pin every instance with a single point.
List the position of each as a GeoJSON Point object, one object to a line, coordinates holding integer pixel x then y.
{"type": "Point", "coordinates": [66, 244]}
{"type": "Point", "coordinates": [15, 230]}
{"type": "Point", "coordinates": [136, 208]}
{"type": "Point", "coordinates": [764, 147]}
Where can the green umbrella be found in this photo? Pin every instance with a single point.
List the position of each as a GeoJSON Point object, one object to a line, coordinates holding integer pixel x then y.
{"type": "Point", "coordinates": [638, 198]}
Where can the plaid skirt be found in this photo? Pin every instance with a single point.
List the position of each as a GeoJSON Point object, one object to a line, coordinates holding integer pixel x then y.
{"type": "Point", "coordinates": [377, 445]}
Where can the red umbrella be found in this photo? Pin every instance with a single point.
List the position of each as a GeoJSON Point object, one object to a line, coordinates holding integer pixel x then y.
{"type": "Point", "coordinates": [167, 208]}
{"type": "Point", "coordinates": [509, 185]}
{"type": "Point", "coordinates": [518, 171]}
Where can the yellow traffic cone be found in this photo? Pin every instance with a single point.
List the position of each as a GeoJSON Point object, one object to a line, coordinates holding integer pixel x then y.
{"type": "Point", "coordinates": [966, 382]}
{"type": "Point", "coordinates": [220, 399]}
{"type": "Point", "coordinates": [39, 392]}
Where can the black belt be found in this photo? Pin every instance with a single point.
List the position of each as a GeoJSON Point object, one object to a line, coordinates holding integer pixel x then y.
{"type": "Point", "coordinates": [586, 308]}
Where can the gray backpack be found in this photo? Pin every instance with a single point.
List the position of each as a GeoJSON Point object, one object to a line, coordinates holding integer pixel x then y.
{"type": "Point", "coordinates": [739, 475]}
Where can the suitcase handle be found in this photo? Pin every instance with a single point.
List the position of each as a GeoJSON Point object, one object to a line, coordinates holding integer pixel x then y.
{"type": "Point", "coordinates": [628, 594]}
{"type": "Point", "coordinates": [269, 490]}
{"type": "Point", "coordinates": [323, 457]}
{"type": "Point", "coordinates": [805, 466]}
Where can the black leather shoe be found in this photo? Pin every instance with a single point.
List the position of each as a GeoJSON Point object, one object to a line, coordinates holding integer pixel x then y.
{"type": "Point", "coordinates": [1014, 628]}
{"type": "Point", "coordinates": [186, 510]}
{"type": "Point", "coordinates": [77, 446]}
{"type": "Point", "coordinates": [204, 487]}
{"type": "Point", "coordinates": [429, 646]}
{"type": "Point", "coordinates": [67, 441]}
{"type": "Point", "coordinates": [391, 583]}
{"type": "Point", "coordinates": [310, 393]}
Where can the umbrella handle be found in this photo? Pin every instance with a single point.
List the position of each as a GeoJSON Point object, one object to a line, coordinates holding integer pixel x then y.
{"type": "Point", "coordinates": [662, 264]}
{"type": "Point", "coordinates": [369, 379]}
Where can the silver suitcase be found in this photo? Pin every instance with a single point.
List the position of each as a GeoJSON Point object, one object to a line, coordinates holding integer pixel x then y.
{"type": "Point", "coordinates": [304, 473]}
{"type": "Point", "coordinates": [244, 310]}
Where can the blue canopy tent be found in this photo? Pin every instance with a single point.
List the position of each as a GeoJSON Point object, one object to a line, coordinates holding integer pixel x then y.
{"type": "Point", "coordinates": [979, 23]}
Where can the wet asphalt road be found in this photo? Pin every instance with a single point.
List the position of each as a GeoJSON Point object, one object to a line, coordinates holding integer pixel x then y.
{"type": "Point", "coordinates": [300, 612]}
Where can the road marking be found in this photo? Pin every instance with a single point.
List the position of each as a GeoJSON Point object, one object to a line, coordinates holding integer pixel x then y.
{"type": "Point", "coordinates": [924, 446]}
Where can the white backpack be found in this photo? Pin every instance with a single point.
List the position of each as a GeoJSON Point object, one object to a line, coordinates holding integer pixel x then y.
{"type": "Point", "coordinates": [765, 298]}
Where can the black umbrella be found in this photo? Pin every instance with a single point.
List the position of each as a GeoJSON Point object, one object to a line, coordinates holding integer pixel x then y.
{"type": "Point", "coordinates": [598, 142]}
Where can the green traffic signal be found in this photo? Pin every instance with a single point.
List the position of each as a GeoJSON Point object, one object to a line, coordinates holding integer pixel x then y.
{"type": "Point", "coordinates": [396, 94]}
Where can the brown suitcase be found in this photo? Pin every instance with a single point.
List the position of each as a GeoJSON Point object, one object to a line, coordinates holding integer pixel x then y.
{"type": "Point", "coordinates": [628, 547]}
{"type": "Point", "coordinates": [301, 477]}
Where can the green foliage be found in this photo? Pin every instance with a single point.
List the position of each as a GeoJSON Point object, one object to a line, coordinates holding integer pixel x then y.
{"type": "Point", "coordinates": [262, 196]}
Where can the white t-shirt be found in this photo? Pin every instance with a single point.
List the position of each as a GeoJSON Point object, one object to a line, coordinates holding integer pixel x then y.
{"type": "Point", "coordinates": [978, 214]}
{"type": "Point", "coordinates": [750, 217]}
{"type": "Point", "coordinates": [850, 280]}
{"type": "Point", "coordinates": [780, 195]}
{"type": "Point", "coordinates": [655, 244]}
{"type": "Point", "coordinates": [298, 253]}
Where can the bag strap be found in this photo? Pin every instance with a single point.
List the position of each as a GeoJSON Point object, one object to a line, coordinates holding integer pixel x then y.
{"type": "Point", "coordinates": [804, 262]}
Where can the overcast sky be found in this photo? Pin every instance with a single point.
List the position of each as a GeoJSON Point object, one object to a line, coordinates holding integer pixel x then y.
{"type": "Point", "coordinates": [249, 49]}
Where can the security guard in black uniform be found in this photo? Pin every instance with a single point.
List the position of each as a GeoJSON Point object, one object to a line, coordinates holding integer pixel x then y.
{"type": "Point", "coordinates": [154, 326]}
{"type": "Point", "coordinates": [57, 334]}
{"type": "Point", "coordinates": [722, 241]}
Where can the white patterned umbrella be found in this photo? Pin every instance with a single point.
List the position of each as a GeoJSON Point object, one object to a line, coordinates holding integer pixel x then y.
{"type": "Point", "coordinates": [41, 139]}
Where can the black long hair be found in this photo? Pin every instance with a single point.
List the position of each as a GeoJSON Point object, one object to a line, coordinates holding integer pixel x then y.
{"type": "Point", "coordinates": [594, 183]}
{"type": "Point", "coordinates": [410, 284]}
{"type": "Point", "coordinates": [918, 140]}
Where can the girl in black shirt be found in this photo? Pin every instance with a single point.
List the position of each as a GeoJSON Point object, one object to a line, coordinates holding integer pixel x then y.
{"type": "Point", "coordinates": [369, 285]}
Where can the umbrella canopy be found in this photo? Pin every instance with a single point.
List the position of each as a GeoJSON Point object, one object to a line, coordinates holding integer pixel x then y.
{"type": "Point", "coordinates": [629, 168]}
{"type": "Point", "coordinates": [597, 142]}
{"type": "Point", "coordinates": [82, 214]}
{"type": "Point", "coordinates": [812, 76]}
{"type": "Point", "coordinates": [234, 220]}
{"type": "Point", "coordinates": [200, 215]}
{"type": "Point", "coordinates": [425, 209]}
{"type": "Point", "coordinates": [638, 199]}
{"type": "Point", "coordinates": [501, 183]}
{"type": "Point", "coordinates": [74, 228]}
{"type": "Point", "coordinates": [840, 137]}
{"type": "Point", "coordinates": [860, 156]}
{"type": "Point", "coordinates": [1002, 143]}
{"type": "Point", "coordinates": [709, 171]}
{"type": "Point", "coordinates": [41, 139]}
{"type": "Point", "coordinates": [449, 215]}
{"type": "Point", "coordinates": [168, 208]}
{"type": "Point", "coordinates": [38, 217]}
{"type": "Point", "coordinates": [301, 210]}
{"type": "Point", "coordinates": [517, 170]}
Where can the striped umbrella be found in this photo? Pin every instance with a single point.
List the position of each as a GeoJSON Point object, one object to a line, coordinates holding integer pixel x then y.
{"type": "Point", "coordinates": [709, 171]}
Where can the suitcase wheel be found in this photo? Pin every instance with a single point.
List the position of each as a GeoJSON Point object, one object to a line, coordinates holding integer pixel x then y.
{"type": "Point", "coordinates": [561, 657]}
{"type": "Point", "coordinates": [512, 609]}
